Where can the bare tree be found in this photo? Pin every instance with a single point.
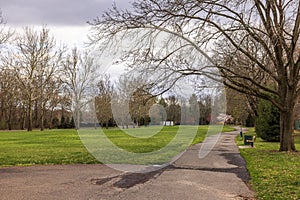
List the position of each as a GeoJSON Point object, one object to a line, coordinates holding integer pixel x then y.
{"type": "Point", "coordinates": [49, 98]}
{"type": "Point", "coordinates": [7, 86]}
{"type": "Point", "coordinates": [251, 41]}
{"type": "Point", "coordinates": [103, 101]}
{"type": "Point", "coordinates": [205, 104]}
{"type": "Point", "coordinates": [9, 98]}
{"type": "Point", "coordinates": [34, 63]}
{"type": "Point", "coordinates": [131, 101]}
{"type": "Point", "coordinates": [57, 97]}
{"type": "Point", "coordinates": [80, 78]}
{"type": "Point", "coordinates": [238, 106]}
{"type": "Point", "coordinates": [140, 103]}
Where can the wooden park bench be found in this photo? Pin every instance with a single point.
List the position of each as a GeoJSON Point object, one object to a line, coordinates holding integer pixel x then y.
{"type": "Point", "coordinates": [251, 142]}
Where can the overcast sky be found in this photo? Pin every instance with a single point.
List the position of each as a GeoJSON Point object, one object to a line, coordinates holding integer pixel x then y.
{"type": "Point", "coordinates": [66, 18]}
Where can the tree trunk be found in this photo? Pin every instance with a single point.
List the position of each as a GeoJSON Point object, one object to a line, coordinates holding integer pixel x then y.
{"type": "Point", "coordinates": [77, 118]}
{"type": "Point", "coordinates": [35, 119]}
{"type": "Point", "coordinates": [42, 119]}
{"type": "Point", "coordinates": [288, 100]}
{"type": "Point", "coordinates": [23, 119]}
{"type": "Point", "coordinates": [10, 119]}
{"type": "Point", "coordinates": [287, 131]}
{"type": "Point", "coordinates": [43, 102]}
{"type": "Point", "coordinates": [51, 118]}
{"type": "Point", "coordinates": [29, 128]}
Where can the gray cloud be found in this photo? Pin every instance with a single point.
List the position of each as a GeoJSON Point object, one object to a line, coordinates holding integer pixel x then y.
{"type": "Point", "coordinates": [55, 12]}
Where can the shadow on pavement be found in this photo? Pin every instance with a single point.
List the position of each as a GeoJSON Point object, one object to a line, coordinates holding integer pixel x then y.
{"type": "Point", "coordinates": [232, 158]}
{"type": "Point", "coordinates": [129, 180]}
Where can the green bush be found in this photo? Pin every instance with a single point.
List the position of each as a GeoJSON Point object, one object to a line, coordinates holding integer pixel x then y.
{"type": "Point", "coordinates": [268, 122]}
{"type": "Point", "coordinates": [250, 121]}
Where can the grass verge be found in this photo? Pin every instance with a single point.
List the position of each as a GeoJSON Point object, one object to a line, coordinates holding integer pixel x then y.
{"type": "Point", "coordinates": [274, 174]}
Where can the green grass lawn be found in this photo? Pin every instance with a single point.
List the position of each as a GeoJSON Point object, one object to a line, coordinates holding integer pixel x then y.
{"type": "Point", "coordinates": [47, 147]}
{"type": "Point", "coordinates": [274, 174]}
{"type": "Point", "coordinates": [65, 146]}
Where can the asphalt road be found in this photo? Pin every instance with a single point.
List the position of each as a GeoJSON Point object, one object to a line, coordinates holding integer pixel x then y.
{"type": "Point", "coordinates": [220, 175]}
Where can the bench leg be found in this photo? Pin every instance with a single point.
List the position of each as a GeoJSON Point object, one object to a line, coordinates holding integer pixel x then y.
{"type": "Point", "coordinates": [252, 144]}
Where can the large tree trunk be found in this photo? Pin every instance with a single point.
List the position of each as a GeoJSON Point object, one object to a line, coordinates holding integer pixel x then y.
{"type": "Point", "coordinates": [287, 131]}
{"type": "Point", "coordinates": [287, 118]}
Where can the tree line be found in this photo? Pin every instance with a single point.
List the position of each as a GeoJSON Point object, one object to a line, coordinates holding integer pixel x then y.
{"type": "Point", "coordinates": [128, 102]}
{"type": "Point", "coordinates": [44, 85]}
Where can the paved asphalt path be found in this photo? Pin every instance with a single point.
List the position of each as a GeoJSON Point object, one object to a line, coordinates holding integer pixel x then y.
{"type": "Point", "coordinates": [220, 175]}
